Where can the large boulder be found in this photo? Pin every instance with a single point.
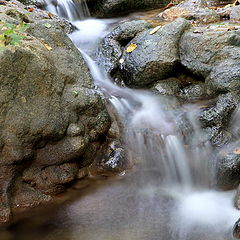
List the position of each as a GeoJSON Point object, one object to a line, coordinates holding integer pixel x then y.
{"type": "Point", "coordinates": [111, 47]}
{"type": "Point", "coordinates": [214, 54]}
{"type": "Point", "coordinates": [216, 118]}
{"type": "Point", "coordinates": [113, 8]}
{"type": "Point", "coordinates": [156, 54]}
{"type": "Point", "coordinates": [102, 8]}
{"type": "Point", "coordinates": [225, 75]}
{"type": "Point", "coordinates": [220, 113]}
{"type": "Point", "coordinates": [200, 48]}
{"type": "Point", "coordinates": [50, 115]}
{"type": "Point", "coordinates": [192, 10]}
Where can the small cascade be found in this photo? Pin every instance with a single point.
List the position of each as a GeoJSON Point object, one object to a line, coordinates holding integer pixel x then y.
{"type": "Point", "coordinates": [153, 134]}
{"type": "Point", "coordinates": [69, 9]}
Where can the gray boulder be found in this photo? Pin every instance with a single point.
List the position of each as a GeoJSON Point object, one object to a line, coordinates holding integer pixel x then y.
{"type": "Point", "coordinates": [155, 56]}
{"type": "Point", "coordinates": [197, 91]}
{"type": "Point", "coordinates": [111, 47]}
{"type": "Point", "coordinates": [191, 10]}
{"type": "Point", "coordinates": [216, 119]}
{"type": "Point", "coordinates": [218, 136]}
{"type": "Point", "coordinates": [113, 8]}
{"type": "Point", "coordinates": [229, 167]}
{"type": "Point", "coordinates": [225, 76]}
{"type": "Point", "coordinates": [168, 87]}
{"type": "Point", "coordinates": [200, 48]}
{"type": "Point", "coordinates": [220, 113]}
{"type": "Point", "coordinates": [50, 114]}
{"type": "Point", "coordinates": [235, 13]}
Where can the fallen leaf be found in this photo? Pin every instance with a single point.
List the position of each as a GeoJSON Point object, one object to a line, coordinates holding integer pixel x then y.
{"type": "Point", "coordinates": [131, 47]}
{"type": "Point", "coordinates": [155, 30]}
{"type": "Point", "coordinates": [49, 48]}
{"type": "Point", "coordinates": [47, 25]}
{"type": "Point", "coordinates": [50, 15]}
{"type": "Point", "coordinates": [121, 61]}
{"type": "Point", "coordinates": [237, 151]}
{"type": "Point", "coordinates": [30, 9]}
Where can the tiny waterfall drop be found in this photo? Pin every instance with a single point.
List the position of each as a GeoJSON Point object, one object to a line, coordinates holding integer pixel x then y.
{"type": "Point", "coordinates": [69, 9]}
{"type": "Point", "coordinates": [179, 166]}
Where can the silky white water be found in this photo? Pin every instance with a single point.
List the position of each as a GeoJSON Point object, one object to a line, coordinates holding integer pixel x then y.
{"type": "Point", "coordinates": [69, 9]}
{"type": "Point", "coordinates": [184, 172]}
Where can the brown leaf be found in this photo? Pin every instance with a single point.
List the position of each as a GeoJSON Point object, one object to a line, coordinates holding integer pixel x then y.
{"type": "Point", "coordinates": [50, 15]}
{"type": "Point", "coordinates": [237, 151]}
{"type": "Point", "coordinates": [30, 9]}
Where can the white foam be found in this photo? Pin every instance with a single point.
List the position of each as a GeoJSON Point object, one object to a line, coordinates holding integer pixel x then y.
{"type": "Point", "coordinates": [208, 208]}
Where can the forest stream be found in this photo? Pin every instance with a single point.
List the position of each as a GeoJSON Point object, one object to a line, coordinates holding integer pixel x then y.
{"type": "Point", "coordinates": [169, 187]}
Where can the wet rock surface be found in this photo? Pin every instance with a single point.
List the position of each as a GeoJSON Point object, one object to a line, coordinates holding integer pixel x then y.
{"type": "Point", "coordinates": [155, 57]}
{"type": "Point", "coordinates": [229, 167]}
{"type": "Point", "coordinates": [237, 198]}
{"type": "Point", "coordinates": [168, 87]}
{"type": "Point", "coordinates": [50, 114]}
{"type": "Point", "coordinates": [111, 47]}
{"type": "Point", "coordinates": [236, 229]}
{"type": "Point", "coordinates": [110, 160]}
{"type": "Point", "coordinates": [219, 113]}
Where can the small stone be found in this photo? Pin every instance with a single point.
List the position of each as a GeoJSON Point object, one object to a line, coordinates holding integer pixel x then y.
{"type": "Point", "coordinates": [82, 173]}
{"type": "Point", "coordinates": [237, 199]}
{"type": "Point", "coordinates": [75, 130]}
{"type": "Point", "coordinates": [236, 229]}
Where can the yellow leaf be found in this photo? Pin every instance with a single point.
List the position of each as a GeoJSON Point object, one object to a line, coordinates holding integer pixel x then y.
{"type": "Point", "coordinates": [131, 47]}
{"type": "Point", "coordinates": [47, 47]}
{"type": "Point", "coordinates": [155, 30]}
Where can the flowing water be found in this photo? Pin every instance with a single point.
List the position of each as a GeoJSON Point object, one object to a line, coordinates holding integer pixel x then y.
{"type": "Point", "coordinates": [170, 196]}
{"type": "Point", "coordinates": [70, 9]}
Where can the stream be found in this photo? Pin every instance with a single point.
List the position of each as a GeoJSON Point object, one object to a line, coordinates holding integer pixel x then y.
{"type": "Point", "coordinates": [171, 193]}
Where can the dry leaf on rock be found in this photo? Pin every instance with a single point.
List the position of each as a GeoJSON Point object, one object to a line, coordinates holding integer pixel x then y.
{"type": "Point", "coordinates": [237, 151]}
{"type": "Point", "coordinates": [131, 47]}
{"type": "Point", "coordinates": [155, 30]}
{"type": "Point", "coordinates": [49, 48]}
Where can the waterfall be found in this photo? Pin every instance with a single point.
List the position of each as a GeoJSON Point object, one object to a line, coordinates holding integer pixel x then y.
{"type": "Point", "coordinates": [69, 9]}
{"type": "Point", "coordinates": [155, 142]}
{"type": "Point", "coordinates": [152, 134]}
